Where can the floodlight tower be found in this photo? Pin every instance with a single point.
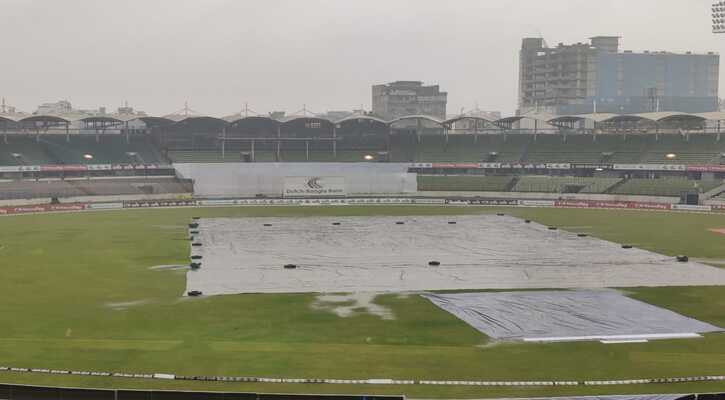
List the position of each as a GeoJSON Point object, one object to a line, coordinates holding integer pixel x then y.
{"type": "Point", "coordinates": [718, 17]}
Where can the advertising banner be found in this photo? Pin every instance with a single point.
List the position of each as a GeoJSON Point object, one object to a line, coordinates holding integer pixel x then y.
{"type": "Point", "coordinates": [706, 168]}
{"type": "Point", "coordinates": [612, 204]}
{"type": "Point", "coordinates": [650, 167]}
{"type": "Point", "coordinates": [42, 208]}
{"type": "Point", "coordinates": [493, 202]}
{"type": "Point", "coordinates": [691, 207]}
{"type": "Point", "coordinates": [314, 186]}
{"type": "Point", "coordinates": [158, 203]}
{"type": "Point", "coordinates": [456, 165]}
{"type": "Point", "coordinates": [60, 168]}
{"type": "Point", "coordinates": [592, 166]}
{"type": "Point", "coordinates": [537, 203]}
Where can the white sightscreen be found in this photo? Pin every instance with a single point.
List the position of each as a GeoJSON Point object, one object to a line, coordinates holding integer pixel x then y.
{"type": "Point", "coordinates": [249, 179]}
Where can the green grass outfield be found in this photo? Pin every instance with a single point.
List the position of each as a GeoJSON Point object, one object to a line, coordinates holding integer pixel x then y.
{"type": "Point", "coordinates": [60, 272]}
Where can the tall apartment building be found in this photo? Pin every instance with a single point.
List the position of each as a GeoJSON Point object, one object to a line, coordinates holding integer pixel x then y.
{"type": "Point", "coordinates": [400, 98]}
{"type": "Point", "coordinates": [597, 77]}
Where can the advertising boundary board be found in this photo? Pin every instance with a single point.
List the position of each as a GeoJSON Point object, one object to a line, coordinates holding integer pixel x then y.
{"type": "Point", "coordinates": [370, 381]}
{"type": "Point", "coordinates": [343, 201]}
{"type": "Point", "coordinates": [82, 167]}
{"type": "Point", "coordinates": [40, 208]}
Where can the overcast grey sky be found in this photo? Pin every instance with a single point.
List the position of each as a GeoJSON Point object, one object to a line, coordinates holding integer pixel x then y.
{"type": "Point", "coordinates": [281, 54]}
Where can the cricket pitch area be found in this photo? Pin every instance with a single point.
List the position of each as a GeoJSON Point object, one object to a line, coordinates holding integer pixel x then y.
{"type": "Point", "coordinates": [392, 254]}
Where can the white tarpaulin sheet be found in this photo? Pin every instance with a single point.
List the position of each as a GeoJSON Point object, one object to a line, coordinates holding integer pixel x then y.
{"type": "Point", "coordinates": [564, 314]}
{"type": "Point", "coordinates": [242, 255]}
{"type": "Point", "coordinates": [250, 179]}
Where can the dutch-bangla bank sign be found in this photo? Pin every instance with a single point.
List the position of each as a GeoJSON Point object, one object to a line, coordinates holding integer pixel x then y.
{"type": "Point", "coordinates": [302, 186]}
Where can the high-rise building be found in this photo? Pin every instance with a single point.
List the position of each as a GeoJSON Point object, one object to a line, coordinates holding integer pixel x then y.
{"type": "Point", "coordinates": [401, 98]}
{"type": "Point", "coordinates": [597, 77]}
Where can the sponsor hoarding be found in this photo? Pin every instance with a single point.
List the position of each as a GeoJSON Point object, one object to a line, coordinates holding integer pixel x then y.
{"type": "Point", "coordinates": [457, 165]}
{"type": "Point", "coordinates": [706, 168]}
{"type": "Point", "coordinates": [314, 186]}
{"type": "Point", "coordinates": [105, 206]}
{"type": "Point", "coordinates": [650, 167]}
{"type": "Point", "coordinates": [158, 203]}
{"type": "Point", "coordinates": [80, 167]}
{"type": "Point", "coordinates": [612, 204]}
{"type": "Point", "coordinates": [492, 202]}
{"type": "Point", "coordinates": [42, 208]}
{"type": "Point", "coordinates": [537, 203]}
{"type": "Point", "coordinates": [691, 207]}
{"type": "Point", "coordinates": [592, 166]}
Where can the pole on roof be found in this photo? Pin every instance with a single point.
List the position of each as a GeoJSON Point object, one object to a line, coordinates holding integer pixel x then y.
{"type": "Point", "coordinates": [388, 139]}
{"type": "Point", "coordinates": [417, 129]}
{"type": "Point", "coordinates": [334, 141]}
{"type": "Point", "coordinates": [279, 135]}
{"type": "Point", "coordinates": [224, 137]}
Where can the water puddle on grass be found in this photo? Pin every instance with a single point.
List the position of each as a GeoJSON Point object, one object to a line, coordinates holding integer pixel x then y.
{"type": "Point", "coordinates": [169, 267]}
{"type": "Point", "coordinates": [347, 305]}
{"type": "Point", "coordinates": [126, 304]}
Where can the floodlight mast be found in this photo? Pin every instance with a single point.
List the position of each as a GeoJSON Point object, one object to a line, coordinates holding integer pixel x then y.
{"type": "Point", "coordinates": [718, 17]}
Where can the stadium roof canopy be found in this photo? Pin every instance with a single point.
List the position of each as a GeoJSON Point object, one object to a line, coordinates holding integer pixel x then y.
{"type": "Point", "coordinates": [46, 118]}
{"type": "Point", "coordinates": [596, 117]}
{"type": "Point", "coordinates": [253, 118]}
{"type": "Point", "coordinates": [202, 121]}
{"type": "Point", "coordinates": [358, 117]}
{"type": "Point", "coordinates": [101, 118]}
{"type": "Point", "coordinates": [297, 118]}
{"type": "Point", "coordinates": [416, 116]}
{"type": "Point", "coordinates": [668, 115]}
{"type": "Point", "coordinates": [238, 118]}
{"type": "Point", "coordinates": [713, 116]}
{"type": "Point", "coordinates": [153, 121]}
{"type": "Point", "coordinates": [464, 117]}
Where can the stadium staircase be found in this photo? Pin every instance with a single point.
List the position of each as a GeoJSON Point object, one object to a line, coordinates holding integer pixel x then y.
{"type": "Point", "coordinates": [616, 186]}
{"type": "Point", "coordinates": [512, 183]}
{"type": "Point", "coordinates": [713, 193]}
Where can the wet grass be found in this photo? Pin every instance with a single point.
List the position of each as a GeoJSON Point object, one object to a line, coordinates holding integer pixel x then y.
{"type": "Point", "coordinates": [62, 274]}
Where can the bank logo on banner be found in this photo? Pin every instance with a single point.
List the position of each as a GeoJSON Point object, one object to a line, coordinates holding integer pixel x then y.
{"type": "Point", "coordinates": [312, 186]}
{"type": "Point", "coordinates": [314, 183]}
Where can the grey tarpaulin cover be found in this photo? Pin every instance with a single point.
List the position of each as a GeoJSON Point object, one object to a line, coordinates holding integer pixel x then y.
{"type": "Point", "coordinates": [375, 254]}
{"type": "Point", "coordinates": [542, 314]}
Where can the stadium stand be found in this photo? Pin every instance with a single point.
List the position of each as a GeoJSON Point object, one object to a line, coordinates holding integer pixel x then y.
{"type": "Point", "coordinates": [62, 149]}
{"type": "Point", "coordinates": [28, 189]}
{"type": "Point", "coordinates": [470, 183]}
{"type": "Point", "coordinates": [563, 184]}
{"type": "Point", "coordinates": [670, 186]}
{"type": "Point", "coordinates": [24, 150]}
{"type": "Point", "coordinates": [403, 147]}
{"type": "Point", "coordinates": [110, 149]}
